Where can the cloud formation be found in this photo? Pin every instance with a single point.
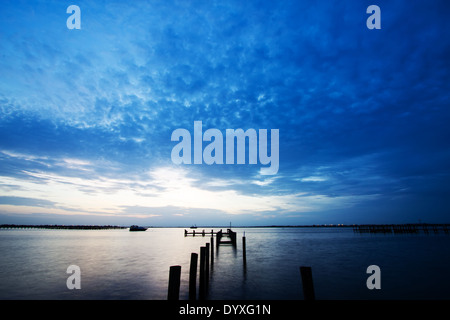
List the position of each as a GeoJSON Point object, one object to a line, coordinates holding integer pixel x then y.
{"type": "Point", "coordinates": [87, 115]}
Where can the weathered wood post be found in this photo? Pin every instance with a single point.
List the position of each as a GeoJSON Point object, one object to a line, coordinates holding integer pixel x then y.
{"type": "Point", "coordinates": [201, 286]}
{"type": "Point", "coordinates": [193, 277]}
{"type": "Point", "coordinates": [232, 236]}
{"type": "Point", "coordinates": [218, 237]}
{"type": "Point", "coordinates": [244, 254]}
{"type": "Point", "coordinates": [207, 267]}
{"type": "Point", "coordinates": [174, 283]}
{"type": "Point", "coordinates": [308, 287]}
{"type": "Point", "coordinates": [212, 249]}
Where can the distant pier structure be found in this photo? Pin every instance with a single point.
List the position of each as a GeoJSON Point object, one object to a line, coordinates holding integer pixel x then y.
{"type": "Point", "coordinates": [55, 226]}
{"type": "Point", "coordinates": [411, 228]}
{"type": "Point", "coordinates": [229, 235]}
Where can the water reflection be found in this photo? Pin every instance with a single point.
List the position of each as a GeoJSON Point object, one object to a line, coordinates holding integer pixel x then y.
{"type": "Point", "coordinates": [118, 264]}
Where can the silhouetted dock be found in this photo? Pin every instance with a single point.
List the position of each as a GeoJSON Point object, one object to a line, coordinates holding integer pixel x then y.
{"type": "Point", "coordinates": [198, 233]}
{"type": "Point", "coordinates": [412, 228]}
{"type": "Point", "coordinates": [231, 235]}
{"type": "Point", "coordinates": [202, 264]}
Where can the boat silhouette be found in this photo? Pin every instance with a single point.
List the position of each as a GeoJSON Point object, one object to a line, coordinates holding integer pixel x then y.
{"type": "Point", "coordinates": [137, 228]}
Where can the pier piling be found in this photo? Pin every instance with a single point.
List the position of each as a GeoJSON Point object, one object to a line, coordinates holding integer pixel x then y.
{"type": "Point", "coordinates": [206, 262]}
{"type": "Point", "coordinates": [212, 250]}
{"type": "Point", "coordinates": [244, 254]}
{"type": "Point", "coordinates": [308, 287]}
{"type": "Point", "coordinates": [193, 277]}
{"type": "Point", "coordinates": [202, 284]}
{"type": "Point", "coordinates": [174, 283]}
{"type": "Point", "coordinates": [207, 267]}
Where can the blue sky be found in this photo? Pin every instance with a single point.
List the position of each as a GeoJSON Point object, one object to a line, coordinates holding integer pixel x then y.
{"type": "Point", "coordinates": [86, 116]}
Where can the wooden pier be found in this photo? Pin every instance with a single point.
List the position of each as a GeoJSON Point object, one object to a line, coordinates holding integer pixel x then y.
{"type": "Point", "coordinates": [204, 261]}
{"type": "Point", "coordinates": [197, 233]}
{"type": "Point", "coordinates": [231, 235]}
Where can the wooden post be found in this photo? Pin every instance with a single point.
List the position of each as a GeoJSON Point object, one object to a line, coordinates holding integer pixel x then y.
{"type": "Point", "coordinates": [218, 237]}
{"type": "Point", "coordinates": [174, 283]}
{"type": "Point", "coordinates": [207, 267]}
{"type": "Point", "coordinates": [193, 277]}
{"type": "Point", "coordinates": [308, 287]}
{"type": "Point", "coordinates": [201, 286]}
{"type": "Point", "coordinates": [212, 249]}
{"type": "Point", "coordinates": [244, 254]}
{"type": "Point", "coordinates": [232, 236]}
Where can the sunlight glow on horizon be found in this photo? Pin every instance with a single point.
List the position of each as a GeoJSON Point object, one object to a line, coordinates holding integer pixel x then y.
{"type": "Point", "coordinates": [158, 188]}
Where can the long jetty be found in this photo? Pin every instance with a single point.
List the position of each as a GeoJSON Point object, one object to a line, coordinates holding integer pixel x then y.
{"type": "Point", "coordinates": [54, 226]}
{"type": "Point", "coordinates": [412, 228]}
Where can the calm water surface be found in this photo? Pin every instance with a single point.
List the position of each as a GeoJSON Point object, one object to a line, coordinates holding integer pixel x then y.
{"type": "Point", "coordinates": [118, 264]}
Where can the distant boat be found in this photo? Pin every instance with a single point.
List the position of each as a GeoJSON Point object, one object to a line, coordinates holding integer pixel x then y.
{"type": "Point", "coordinates": [194, 227]}
{"type": "Point", "coordinates": [137, 228]}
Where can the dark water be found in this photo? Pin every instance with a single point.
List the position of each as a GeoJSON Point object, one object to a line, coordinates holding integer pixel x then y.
{"type": "Point", "coordinates": [118, 264]}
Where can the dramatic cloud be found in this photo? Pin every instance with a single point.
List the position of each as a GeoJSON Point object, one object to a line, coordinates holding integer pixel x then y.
{"type": "Point", "coordinates": [86, 115]}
